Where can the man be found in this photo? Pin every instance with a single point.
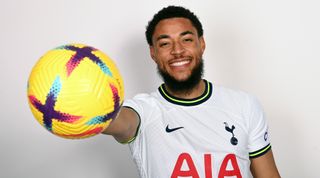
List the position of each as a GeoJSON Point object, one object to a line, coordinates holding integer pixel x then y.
{"type": "Point", "coordinates": [189, 127]}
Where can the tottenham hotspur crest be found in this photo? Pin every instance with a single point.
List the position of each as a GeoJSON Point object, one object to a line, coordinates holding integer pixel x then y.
{"type": "Point", "coordinates": [233, 140]}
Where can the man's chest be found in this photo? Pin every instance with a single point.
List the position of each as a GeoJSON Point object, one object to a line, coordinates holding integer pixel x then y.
{"type": "Point", "coordinates": [201, 141]}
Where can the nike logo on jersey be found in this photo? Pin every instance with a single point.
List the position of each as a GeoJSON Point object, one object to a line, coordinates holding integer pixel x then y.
{"type": "Point", "coordinates": [172, 129]}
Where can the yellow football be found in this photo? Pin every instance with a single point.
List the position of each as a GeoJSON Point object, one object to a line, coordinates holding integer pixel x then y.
{"type": "Point", "coordinates": [75, 91]}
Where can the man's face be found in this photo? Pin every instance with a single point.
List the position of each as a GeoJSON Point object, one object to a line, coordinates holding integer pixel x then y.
{"type": "Point", "coordinates": [176, 48]}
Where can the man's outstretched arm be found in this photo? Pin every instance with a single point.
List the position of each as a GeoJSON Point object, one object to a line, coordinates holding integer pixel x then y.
{"type": "Point", "coordinates": [125, 126]}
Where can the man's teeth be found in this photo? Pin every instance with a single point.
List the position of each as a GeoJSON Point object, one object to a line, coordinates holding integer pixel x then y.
{"type": "Point", "coordinates": [181, 63]}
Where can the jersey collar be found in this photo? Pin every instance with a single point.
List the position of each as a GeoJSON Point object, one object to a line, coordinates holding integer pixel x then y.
{"type": "Point", "coordinates": [187, 102]}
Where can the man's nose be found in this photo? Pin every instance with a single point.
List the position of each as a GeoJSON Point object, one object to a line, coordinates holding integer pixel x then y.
{"type": "Point", "coordinates": [177, 49]}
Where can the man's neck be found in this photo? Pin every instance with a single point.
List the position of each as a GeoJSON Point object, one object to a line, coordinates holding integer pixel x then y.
{"type": "Point", "coordinates": [195, 92]}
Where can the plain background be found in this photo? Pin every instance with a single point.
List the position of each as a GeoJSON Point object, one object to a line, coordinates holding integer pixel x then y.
{"type": "Point", "coordinates": [268, 48]}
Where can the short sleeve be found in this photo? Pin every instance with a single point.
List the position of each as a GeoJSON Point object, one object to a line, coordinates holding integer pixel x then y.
{"type": "Point", "coordinates": [143, 105]}
{"type": "Point", "coordinates": [136, 105]}
{"type": "Point", "coordinates": [259, 142]}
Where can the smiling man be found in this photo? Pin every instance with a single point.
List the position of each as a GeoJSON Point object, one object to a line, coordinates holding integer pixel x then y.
{"type": "Point", "coordinates": [177, 49]}
{"type": "Point", "coordinates": [191, 127]}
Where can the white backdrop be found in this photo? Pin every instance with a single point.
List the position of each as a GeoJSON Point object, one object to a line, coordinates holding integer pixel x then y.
{"type": "Point", "coordinates": [268, 48]}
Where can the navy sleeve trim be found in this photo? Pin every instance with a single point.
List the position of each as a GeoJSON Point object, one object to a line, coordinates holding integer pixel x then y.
{"type": "Point", "coordinates": [260, 152]}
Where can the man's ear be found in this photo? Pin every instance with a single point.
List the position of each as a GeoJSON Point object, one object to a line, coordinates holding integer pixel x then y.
{"type": "Point", "coordinates": [202, 44]}
{"type": "Point", "coordinates": [151, 48]}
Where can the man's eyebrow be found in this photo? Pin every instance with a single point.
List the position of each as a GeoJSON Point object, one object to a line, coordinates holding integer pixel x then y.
{"type": "Point", "coordinates": [167, 36]}
{"type": "Point", "coordinates": [162, 37]}
{"type": "Point", "coordinates": [186, 33]}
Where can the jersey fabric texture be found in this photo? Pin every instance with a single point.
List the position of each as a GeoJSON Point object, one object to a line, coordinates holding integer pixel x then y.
{"type": "Point", "coordinates": [213, 135]}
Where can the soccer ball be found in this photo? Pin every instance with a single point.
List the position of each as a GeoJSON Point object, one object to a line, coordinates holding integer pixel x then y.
{"type": "Point", "coordinates": [75, 91]}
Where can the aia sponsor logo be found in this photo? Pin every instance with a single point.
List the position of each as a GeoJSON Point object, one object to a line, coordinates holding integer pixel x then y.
{"type": "Point", "coordinates": [192, 171]}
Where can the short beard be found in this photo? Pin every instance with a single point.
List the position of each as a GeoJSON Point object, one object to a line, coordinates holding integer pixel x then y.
{"type": "Point", "coordinates": [184, 86]}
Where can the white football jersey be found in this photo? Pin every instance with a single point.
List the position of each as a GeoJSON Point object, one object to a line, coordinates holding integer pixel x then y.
{"type": "Point", "coordinates": [212, 136]}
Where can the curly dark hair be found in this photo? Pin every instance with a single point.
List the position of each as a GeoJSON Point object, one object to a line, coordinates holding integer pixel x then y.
{"type": "Point", "coordinates": [172, 12]}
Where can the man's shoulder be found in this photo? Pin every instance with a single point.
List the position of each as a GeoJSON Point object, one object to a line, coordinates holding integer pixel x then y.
{"type": "Point", "coordinates": [233, 98]}
{"type": "Point", "coordinates": [144, 96]}
{"type": "Point", "coordinates": [223, 91]}
{"type": "Point", "coordinates": [144, 99]}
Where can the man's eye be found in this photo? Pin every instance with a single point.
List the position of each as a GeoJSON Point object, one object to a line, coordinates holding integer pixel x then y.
{"type": "Point", "coordinates": [188, 39]}
{"type": "Point", "coordinates": [163, 44]}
